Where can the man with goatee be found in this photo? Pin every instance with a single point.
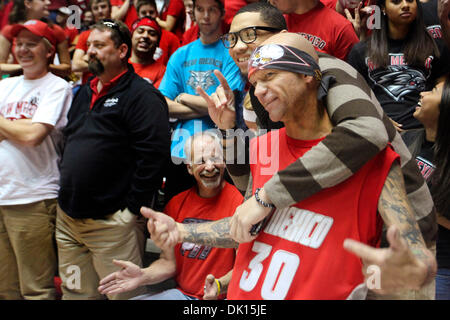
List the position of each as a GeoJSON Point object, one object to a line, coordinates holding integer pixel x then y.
{"type": "Point", "coordinates": [117, 140]}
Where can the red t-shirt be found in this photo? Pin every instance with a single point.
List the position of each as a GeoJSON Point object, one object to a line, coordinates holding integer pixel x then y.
{"type": "Point", "coordinates": [152, 72]}
{"type": "Point", "coordinates": [106, 87]}
{"type": "Point", "coordinates": [177, 10]}
{"type": "Point", "coordinates": [190, 35]}
{"type": "Point", "coordinates": [299, 255]}
{"type": "Point", "coordinates": [81, 44]}
{"type": "Point", "coordinates": [193, 33]}
{"type": "Point", "coordinates": [71, 34]}
{"type": "Point", "coordinates": [4, 14]}
{"type": "Point", "coordinates": [195, 262]}
{"type": "Point", "coordinates": [131, 14]}
{"type": "Point", "coordinates": [326, 29]}
{"type": "Point", "coordinates": [330, 3]}
{"type": "Point", "coordinates": [231, 7]}
{"type": "Point", "coordinates": [169, 43]}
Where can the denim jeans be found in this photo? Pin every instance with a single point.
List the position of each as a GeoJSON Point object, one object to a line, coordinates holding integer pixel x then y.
{"type": "Point", "coordinates": [443, 284]}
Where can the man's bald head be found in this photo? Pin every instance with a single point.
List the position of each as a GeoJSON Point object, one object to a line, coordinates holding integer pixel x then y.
{"type": "Point", "coordinates": [293, 40]}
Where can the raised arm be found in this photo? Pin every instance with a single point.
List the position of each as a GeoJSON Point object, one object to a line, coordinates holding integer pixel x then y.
{"type": "Point", "coordinates": [407, 263]}
{"type": "Point", "coordinates": [362, 124]}
{"type": "Point", "coordinates": [118, 13]}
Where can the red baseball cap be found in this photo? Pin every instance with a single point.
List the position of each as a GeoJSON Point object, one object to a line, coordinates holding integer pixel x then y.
{"type": "Point", "coordinates": [146, 21]}
{"type": "Point", "coordinates": [36, 27]}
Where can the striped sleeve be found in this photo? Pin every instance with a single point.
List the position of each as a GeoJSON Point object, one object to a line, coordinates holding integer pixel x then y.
{"type": "Point", "coordinates": [361, 123]}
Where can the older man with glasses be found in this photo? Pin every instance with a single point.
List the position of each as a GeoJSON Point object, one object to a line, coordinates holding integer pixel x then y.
{"type": "Point", "coordinates": [117, 141]}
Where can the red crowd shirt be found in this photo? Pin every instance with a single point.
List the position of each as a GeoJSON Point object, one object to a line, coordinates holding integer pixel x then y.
{"type": "Point", "coordinates": [326, 29]}
{"type": "Point", "coordinates": [231, 7]}
{"type": "Point", "coordinates": [131, 14]}
{"type": "Point", "coordinates": [193, 33]}
{"type": "Point", "coordinates": [195, 262]}
{"type": "Point", "coordinates": [190, 35]}
{"type": "Point", "coordinates": [169, 43]}
{"type": "Point", "coordinates": [82, 45]}
{"type": "Point", "coordinates": [330, 3]}
{"type": "Point", "coordinates": [152, 72]}
{"type": "Point", "coordinates": [4, 14]}
{"type": "Point", "coordinates": [299, 254]}
{"type": "Point", "coordinates": [106, 87]}
{"type": "Point", "coordinates": [71, 34]}
{"type": "Point", "coordinates": [177, 10]}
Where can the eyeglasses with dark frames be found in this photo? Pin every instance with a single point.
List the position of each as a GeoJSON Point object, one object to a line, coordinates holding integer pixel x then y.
{"type": "Point", "coordinates": [247, 35]}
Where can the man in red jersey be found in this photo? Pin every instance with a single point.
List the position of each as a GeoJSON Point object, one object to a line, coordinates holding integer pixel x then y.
{"type": "Point", "coordinates": [210, 199]}
{"type": "Point", "coordinates": [302, 251]}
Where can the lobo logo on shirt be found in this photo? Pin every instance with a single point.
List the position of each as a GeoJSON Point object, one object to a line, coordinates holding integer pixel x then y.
{"type": "Point", "coordinates": [20, 109]}
{"type": "Point", "coordinates": [204, 79]}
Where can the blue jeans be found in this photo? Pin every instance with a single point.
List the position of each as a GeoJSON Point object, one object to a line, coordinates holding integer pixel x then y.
{"type": "Point", "coordinates": [443, 284]}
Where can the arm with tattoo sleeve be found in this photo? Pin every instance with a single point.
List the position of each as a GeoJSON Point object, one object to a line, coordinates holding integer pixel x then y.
{"type": "Point", "coordinates": [406, 263]}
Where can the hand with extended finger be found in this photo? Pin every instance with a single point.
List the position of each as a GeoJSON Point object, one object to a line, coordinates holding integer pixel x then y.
{"type": "Point", "coordinates": [359, 21]}
{"type": "Point", "coordinates": [246, 215]}
{"type": "Point", "coordinates": [162, 228]}
{"type": "Point", "coordinates": [128, 278]}
{"type": "Point", "coordinates": [400, 268]}
{"type": "Point", "coordinates": [221, 103]}
{"type": "Point", "coordinates": [210, 290]}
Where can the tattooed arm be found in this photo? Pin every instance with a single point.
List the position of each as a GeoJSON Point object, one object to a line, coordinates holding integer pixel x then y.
{"type": "Point", "coordinates": [407, 263]}
{"type": "Point", "coordinates": [213, 234]}
{"type": "Point", "coordinates": [166, 233]}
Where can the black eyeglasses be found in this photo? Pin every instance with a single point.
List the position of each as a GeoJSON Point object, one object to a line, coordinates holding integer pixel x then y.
{"type": "Point", "coordinates": [247, 35]}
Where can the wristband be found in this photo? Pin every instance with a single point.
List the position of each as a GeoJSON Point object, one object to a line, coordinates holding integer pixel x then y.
{"type": "Point", "coordinates": [218, 286]}
{"type": "Point", "coordinates": [178, 99]}
{"type": "Point", "coordinates": [264, 204]}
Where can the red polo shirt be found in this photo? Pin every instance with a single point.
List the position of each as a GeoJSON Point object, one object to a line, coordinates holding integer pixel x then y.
{"type": "Point", "coordinates": [106, 87]}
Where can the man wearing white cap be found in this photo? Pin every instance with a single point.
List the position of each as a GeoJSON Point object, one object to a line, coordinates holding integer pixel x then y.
{"type": "Point", "coordinates": [33, 109]}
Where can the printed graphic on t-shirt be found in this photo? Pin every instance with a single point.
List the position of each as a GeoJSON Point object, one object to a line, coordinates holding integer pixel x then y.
{"type": "Point", "coordinates": [204, 79]}
{"type": "Point", "coordinates": [20, 109]}
{"type": "Point", "coordinates": [298, 225]}
{"type": "Point", "coordinates": [315, 40]}
{"type": "Point", "coordinates": [398, 81]}
{"type": "Point", "coordinates": [425, 166]}
{"type": "Point", "coordinates": [435, 31]}
{"type": "Point", "coordinates": [192, 250]}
